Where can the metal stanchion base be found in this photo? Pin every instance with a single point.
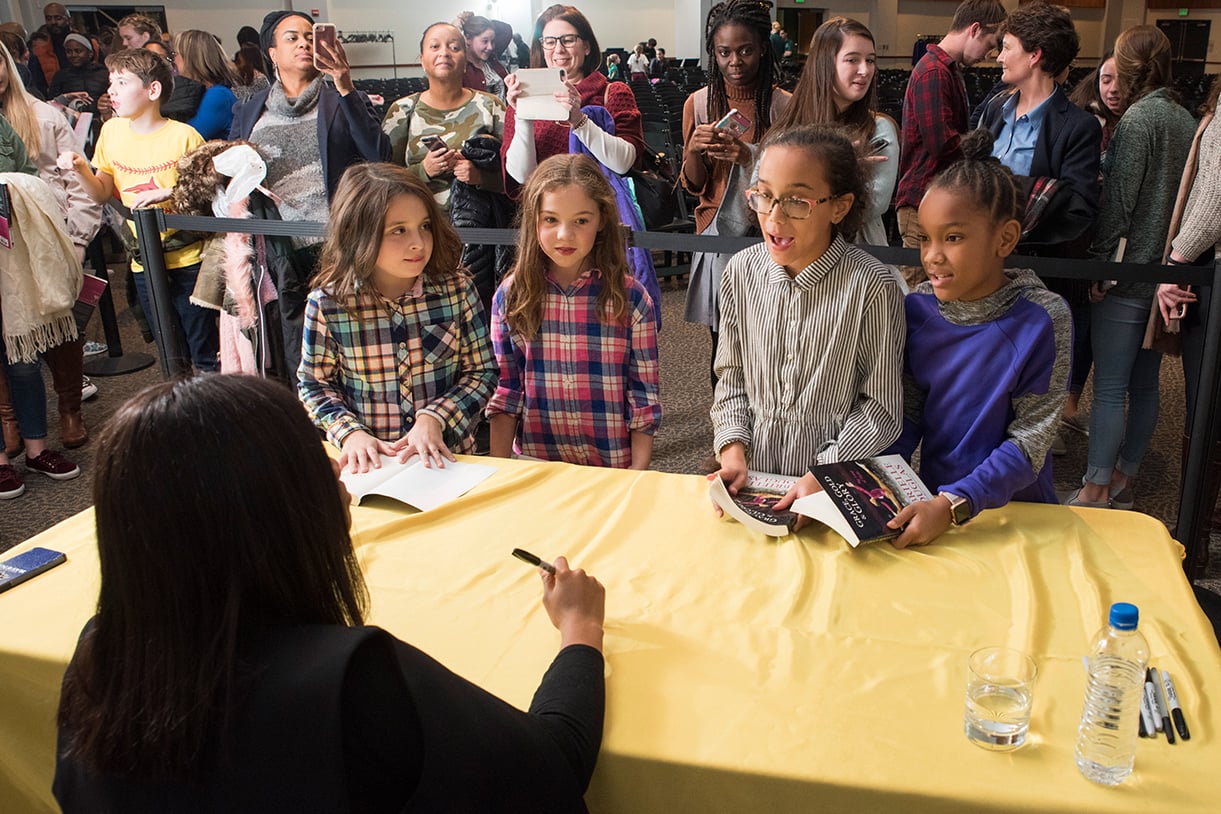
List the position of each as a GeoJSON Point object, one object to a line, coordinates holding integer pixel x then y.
{"type": "Point", "coordinates": [118, 365]}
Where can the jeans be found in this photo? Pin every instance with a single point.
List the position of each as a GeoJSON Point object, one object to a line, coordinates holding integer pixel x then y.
{"type": "Point", "coordinates": [197, 328]}
{"type": "Point", "coordinates": [29, 397]}
{"type": "Point", "coordinates": [1121, 368]}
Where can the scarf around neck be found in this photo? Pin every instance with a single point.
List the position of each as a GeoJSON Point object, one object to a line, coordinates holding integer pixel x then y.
{"type": "Point", "coordinates": [279, 103]}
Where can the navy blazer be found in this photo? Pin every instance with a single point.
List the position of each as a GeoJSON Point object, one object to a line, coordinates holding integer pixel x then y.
{"type": "Point", "coordinates": [1068, 148]}
{"type": "Point", "coordinates": [349, 131]}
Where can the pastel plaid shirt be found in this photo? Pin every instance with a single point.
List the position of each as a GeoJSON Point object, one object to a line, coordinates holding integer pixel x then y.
{"type": "Point", "coordinates": [376, 367]}
{"type": "Point", "coordinates": [581, 387]}
{"type": "Point", "coordinates": [935, 117]}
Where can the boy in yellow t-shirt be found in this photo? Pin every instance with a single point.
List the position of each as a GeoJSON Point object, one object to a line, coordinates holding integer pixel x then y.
{"type": "Point", "coordinates": [137, 158]}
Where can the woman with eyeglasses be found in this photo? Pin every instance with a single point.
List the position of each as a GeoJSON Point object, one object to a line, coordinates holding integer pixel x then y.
{"type": "Point", "coordinates": [603, 122]}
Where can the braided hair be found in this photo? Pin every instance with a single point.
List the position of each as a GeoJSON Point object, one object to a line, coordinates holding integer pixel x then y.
{"type": "Point", "coordinates": [990, 183]}
{"type": "Point", "coordinates": [756, 17]}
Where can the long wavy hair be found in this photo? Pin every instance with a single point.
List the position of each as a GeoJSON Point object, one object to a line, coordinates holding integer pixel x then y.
{"type": "Point", "coordinates": [813, 99]}
{"type": "Point", "coordinates": [354, 231]}
{"type": "Point", "coordinates": [525, 297]}
{"type": "Point", "coordinates": [252, 533]}
{"type": "Point", "coordinates": [754, 16]}
{"type": "Point", "coordinates": [18, 107]}
{"type": "Point", "coordinates": [204, 60]}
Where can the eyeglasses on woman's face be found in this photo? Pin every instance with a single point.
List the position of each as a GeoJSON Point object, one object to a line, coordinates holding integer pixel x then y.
{"type": "Point", "coordinates": [567, 41]}
{"type": "Point", "coordinates": [795, 208]}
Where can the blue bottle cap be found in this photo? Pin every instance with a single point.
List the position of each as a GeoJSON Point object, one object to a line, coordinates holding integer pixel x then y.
{"type": "Point", "coordinates": [1124, 616]}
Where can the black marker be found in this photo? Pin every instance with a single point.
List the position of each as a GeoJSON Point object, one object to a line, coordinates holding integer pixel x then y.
{"type": "Point", "coordinates": [526, 556]}
{"type": "Point", "coordinates": [1176, 712]}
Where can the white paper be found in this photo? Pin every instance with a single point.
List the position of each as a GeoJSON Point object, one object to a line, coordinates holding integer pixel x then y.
{"type": "Point", "coordinates": [415, 484]}
{"type": "Point", "coordinates": [538, 89]}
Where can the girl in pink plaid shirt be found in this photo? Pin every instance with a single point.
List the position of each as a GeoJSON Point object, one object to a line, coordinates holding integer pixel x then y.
{"type": "Point", "coordinates": [573, 332]}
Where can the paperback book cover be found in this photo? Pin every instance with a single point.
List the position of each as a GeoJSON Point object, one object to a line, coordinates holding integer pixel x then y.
{"type": "Point", "coordinates": [859, 498]}
{"type": "Point", "coordinates": [752, 506]}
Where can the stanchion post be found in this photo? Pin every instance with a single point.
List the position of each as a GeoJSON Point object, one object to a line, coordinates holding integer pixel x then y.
{"type": "Point", "coordinates": [1193, 514]}
{"type": "Point", "coordinates": [149, 226]}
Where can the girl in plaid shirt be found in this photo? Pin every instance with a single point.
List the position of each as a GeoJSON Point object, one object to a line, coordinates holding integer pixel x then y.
{"type": "Point", "coordinates": [573, 332]}
{"type": "Point", "coordinates": [395, 358]}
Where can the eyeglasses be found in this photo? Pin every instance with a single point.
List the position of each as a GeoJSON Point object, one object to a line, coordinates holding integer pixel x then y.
{"type": "Point", "coordinates": [568, 40]}
{"type": "Point", "coordinates": [795, 208]}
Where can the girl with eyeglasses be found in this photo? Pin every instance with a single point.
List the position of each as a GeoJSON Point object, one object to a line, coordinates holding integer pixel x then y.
{"type": "Point", "coordinates": [810, 357]}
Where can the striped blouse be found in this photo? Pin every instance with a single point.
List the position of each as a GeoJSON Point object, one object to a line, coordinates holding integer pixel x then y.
{"type": "Point", "coordinates": [810, 368]}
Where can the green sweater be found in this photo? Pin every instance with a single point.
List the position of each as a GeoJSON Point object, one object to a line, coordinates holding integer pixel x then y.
{"type": "Point", "coordinates": [13, 155]}
{"type": "Point", "coordinates": [1140, 179]}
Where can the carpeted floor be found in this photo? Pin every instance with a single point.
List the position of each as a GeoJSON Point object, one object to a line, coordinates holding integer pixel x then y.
{"type": "Point", "coordinates": [682, 444]}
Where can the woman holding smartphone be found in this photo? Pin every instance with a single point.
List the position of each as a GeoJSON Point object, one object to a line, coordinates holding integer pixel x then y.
{"type": "Point", "coordinates": [302, 705]}
{"type": "Point", "coordinates": [427, 130]}
{"type": "Point", "coordinates": [721, 123]}
{"type": "Point", "coordinates": [837, 86]}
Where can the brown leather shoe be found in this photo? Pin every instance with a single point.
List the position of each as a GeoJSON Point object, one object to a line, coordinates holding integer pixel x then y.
{"type": "Point", "coordinates": [72, 430]}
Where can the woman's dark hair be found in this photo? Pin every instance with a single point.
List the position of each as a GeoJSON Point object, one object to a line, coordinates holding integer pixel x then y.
{"type": "Point", "coordinates": [813, 100]}
{"type": "Point", "coordinates": [1085, 94]}
{"type": "Point", "coordinates": [248, 34]}
{"type": "Point", "coordinates": [987, 181]}
{"type": "Point", "coordinates": [831, 146]}
{"type": "Point", "coordinates": [217, 513]}
{"type": "Point", "coordinates": [1042, 26]}
{"type": "Point", "coordinates": [755, 16]}
{"type": "Point", "coordinates": [248, 60]}
{"type": "Point", "coordinates": [573, 16]}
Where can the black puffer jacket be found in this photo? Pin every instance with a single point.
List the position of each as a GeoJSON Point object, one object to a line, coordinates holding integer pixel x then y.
{"type": "Point", "coordinates": [470, 206]}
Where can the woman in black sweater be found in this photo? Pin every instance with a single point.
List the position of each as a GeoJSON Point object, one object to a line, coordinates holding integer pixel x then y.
{"type": "Point", "coordinates": [227, 668]}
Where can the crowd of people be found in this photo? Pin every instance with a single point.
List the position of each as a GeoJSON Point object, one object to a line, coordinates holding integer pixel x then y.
{"type": "Point", "coordinates": [399, 340]}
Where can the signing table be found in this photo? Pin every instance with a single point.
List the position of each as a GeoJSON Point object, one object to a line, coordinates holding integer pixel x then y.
{"type": "Point", "coordinates": [744, 673]}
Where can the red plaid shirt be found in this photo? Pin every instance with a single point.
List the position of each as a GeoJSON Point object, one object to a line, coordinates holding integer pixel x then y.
{"type": "Point", "coordinates": [935, 116]}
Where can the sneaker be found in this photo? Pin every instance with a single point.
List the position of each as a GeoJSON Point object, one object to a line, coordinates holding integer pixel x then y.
{"type": "Point", "coordinates": [1125, 498]}
{"type": "Point", "coordinates": [11, 484]}
{"type": "Point", "coordinates": [95, 348]}
{"type": "Point", "coordinates": [1058, 447]}
{"type": "Point", "coordinates": [1075, 500]}
{"type": "Point", "coordinates": [53, 465]}
{"type": "Point", "coordinates": [88, 389]}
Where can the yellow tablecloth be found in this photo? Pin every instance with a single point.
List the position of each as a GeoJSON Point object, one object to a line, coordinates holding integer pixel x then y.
{"type": "Point", "coordinates": [745, 674]}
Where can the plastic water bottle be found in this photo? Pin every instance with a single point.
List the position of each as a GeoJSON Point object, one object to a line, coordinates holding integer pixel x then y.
{"type": "Point", "coordinates": [1106, 736]}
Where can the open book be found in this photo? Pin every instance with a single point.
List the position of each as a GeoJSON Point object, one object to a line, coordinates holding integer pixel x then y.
{"type": "Point", "coordinates": [858, 498]}
{"type": "Point", "coordinates": [415, 484]}
{"type": "Point", "coordinates": [752, 506]}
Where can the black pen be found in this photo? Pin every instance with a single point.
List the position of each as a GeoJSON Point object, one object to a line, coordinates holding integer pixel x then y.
{"type": "Point", "coordinates": [526, 556]}
{"type": "Point", "coordinates": [1161, 710]}
{"type": "Point", "coordinates": [1172, 699]}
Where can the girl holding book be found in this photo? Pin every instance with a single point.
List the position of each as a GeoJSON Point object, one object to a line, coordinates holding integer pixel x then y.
{"type": "Point", "coordinates": [809, 362]}
{"type": "Point", "coordinates": [573, 332]}
{"type": "Point", "coordinates": [395, 358]}
{"type": "Point", "coordinates": [987, 375]}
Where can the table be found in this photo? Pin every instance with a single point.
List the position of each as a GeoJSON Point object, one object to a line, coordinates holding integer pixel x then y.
{"type": "Point", "coordinates": [744, 673]}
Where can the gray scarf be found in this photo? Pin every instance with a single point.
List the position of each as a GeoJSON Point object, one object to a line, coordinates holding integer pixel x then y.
{"type": "Point", "coordinates": [281, 105]}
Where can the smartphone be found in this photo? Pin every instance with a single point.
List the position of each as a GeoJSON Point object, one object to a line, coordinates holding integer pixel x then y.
{"type": "Point", "coordinates": [325, 32]}
{"type": "Point", "coordinates": [878, 145]}
{"type": "Point", "coordinates": [16, 570]}
{"type": "Point", "coordinates": [434, 143]}
{"type": "Point", "coordinates": [734, 123]}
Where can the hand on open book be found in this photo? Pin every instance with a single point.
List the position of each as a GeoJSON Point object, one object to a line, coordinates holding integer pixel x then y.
{"type": "Point", "coordinates": [733, 471]}
{"type": "Point", "coordinates": [807, 484]}
{"type": "Point", "coordinates": [424, 439]}
{"type": "Point", "coordinates": [361, 451]}
{"type": "Point", "coordinates": [922, 522]}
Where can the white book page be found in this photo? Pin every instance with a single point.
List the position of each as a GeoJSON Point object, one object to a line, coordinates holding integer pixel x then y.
{"type": "Point", "coordinates": [415, 484]}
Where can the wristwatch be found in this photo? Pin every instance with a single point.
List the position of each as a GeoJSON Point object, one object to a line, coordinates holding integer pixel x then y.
{"type": "Point", "coordinates": [960, 509]}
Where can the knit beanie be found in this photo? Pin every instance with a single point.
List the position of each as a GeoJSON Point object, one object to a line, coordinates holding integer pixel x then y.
{"type": "Point", "coordinates": [267, 34]}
